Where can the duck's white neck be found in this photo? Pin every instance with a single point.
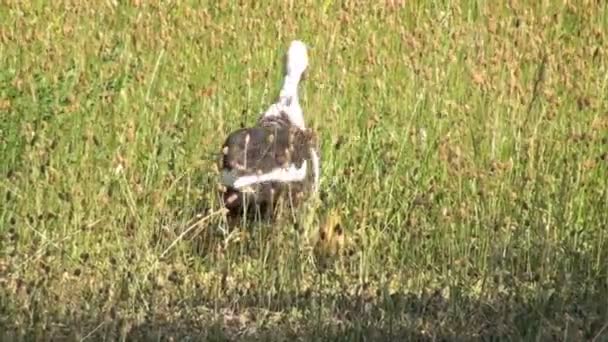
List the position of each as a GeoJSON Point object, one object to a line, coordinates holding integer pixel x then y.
{"type": "Point", "coordinates": [289, 91]}
{"type": "Point", "coordinates": [289, 101]}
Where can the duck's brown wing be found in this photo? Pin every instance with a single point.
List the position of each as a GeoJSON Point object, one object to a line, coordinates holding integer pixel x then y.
{"type": "Point", "coordinates": [260, 150]}
{"type": "Point", "coordinates": [253, 153]}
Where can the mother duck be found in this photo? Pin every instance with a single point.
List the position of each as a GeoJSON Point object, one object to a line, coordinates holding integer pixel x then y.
{"type": "Point", "coordinates": [278, 158]}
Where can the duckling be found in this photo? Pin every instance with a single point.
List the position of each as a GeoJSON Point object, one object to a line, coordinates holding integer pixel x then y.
{"type": "Point", "coordinates": [329, 241]}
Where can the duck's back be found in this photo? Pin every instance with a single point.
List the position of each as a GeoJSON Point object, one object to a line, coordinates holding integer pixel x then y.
{"type": "Point", "coordinates": [262, 163]}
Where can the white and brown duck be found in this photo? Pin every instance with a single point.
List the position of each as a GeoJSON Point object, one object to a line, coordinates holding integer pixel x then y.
{"type": "Point", "coordinates": [276, 159]}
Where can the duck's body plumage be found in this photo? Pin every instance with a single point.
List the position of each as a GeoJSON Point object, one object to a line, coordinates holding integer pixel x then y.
{"type": "Point", "coordinates": [279, 156]}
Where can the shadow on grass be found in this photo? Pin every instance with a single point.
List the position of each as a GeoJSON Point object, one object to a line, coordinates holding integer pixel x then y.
{"type": "Point", "coordinates": [567, 313]}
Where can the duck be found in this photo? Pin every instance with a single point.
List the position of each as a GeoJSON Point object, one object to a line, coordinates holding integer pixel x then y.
{"type": "Point", "coordinates": [276, 159]}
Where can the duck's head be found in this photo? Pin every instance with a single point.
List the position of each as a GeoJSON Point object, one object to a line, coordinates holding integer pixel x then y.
{"type": "Point", "coordinates": [297, 58]}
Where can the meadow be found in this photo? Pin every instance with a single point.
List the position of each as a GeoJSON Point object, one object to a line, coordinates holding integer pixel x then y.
{"type": "Point", "coordinates": [464, 154]}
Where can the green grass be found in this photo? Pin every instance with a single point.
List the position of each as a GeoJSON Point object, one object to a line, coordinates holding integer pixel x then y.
{"type": "Point", "coordinates": [464, 146]}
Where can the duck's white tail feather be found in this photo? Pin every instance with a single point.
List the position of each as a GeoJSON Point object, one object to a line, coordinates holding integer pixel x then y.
{"type": "Point", "coordinates": [289, 102]}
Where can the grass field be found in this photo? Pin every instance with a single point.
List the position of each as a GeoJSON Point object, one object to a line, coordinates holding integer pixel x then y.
{"type": "Point", "coordinates": [464, 151]}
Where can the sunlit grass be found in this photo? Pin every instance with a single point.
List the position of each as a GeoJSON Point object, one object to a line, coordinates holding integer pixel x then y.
{"type": "Point", "coordinates": [464, 150]}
